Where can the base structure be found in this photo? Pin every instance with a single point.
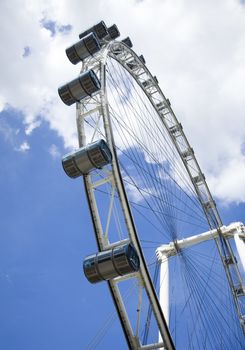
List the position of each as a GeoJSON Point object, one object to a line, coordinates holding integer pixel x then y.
{"type": "Point", "coordinates": [234, 231]}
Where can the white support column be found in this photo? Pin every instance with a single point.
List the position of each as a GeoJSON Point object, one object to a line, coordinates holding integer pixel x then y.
{"type": "Point", "coordinates": [164, 288]}
{"type": "Point", "coordinates": [240, 246]}
{"type": "Point", "coordinates": [235, 231]}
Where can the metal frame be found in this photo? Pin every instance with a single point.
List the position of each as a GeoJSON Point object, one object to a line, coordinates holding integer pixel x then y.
{"type": "Point", "coordinates": [131, 62]}
{"type": "Point", "coordinates": [234, 231]}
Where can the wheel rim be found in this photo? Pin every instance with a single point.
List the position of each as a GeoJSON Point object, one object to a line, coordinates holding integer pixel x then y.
{"type": "Point", "coordinates": [107, 129]}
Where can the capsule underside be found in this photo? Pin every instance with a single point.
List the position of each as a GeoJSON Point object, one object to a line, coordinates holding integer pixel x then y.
{"type": "Point", "coordinates": [109, 264]}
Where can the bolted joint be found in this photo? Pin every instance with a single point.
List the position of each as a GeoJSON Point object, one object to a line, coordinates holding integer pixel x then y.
{"type": "Point", "coordinates": [235, 227]}
{"type": "Point", "coordinates": [241, 229]}
{"type": "Point", "coordinates": [177, 128]}
{"type": "Point", "coordinates": [240, 291]}
{"type": "Point", "coordinates": [188, 153]}
{"type": "Point", "coordinates": [242, 321]}
{"type": "Point", "coordinates": [165, 251]}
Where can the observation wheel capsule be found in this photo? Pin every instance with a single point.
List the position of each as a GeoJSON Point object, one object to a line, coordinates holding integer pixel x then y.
{"type": "Point", "coordinates": [100, 29]}
{"type": "Point", "coordinates": [85, 85]}
{"type": "Point", "coordinates": [118, 261]}
{"type": "Point", "coordinates": [92, 156]}
{"type": "Point", "coordinates": [83, 48]}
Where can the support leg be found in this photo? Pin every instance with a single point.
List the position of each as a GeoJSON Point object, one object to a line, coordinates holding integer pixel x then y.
{"type": "Point", "coordinates": [164, 288]}
{"type": "Point", "coordinates": [240, 249]}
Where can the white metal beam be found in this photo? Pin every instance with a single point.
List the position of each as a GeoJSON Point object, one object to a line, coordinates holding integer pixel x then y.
{"type": "Point", "coordinates": [152, 346]}
{"type": "Point", "coordinates": [230, 231]}
{"type": "Point", "coordinates": [235, 230]}
{"type": "Point", "coordinates": [164, 290]}
{"type": "Point", "coordinates": [240, 246]}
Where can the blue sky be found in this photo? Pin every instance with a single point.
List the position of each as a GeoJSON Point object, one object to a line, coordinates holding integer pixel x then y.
{"type": "Point", "coordinates": [46, 302]}
{"type": "Point", "coordinates": [45, 229]}
{"type": "Point", "coordinates": [45, 233]}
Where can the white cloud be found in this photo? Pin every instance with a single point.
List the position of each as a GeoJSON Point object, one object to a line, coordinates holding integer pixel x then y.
{"type": "Point", "coordinates": [134, 194]}
{"type": "Point", "coordinates": [2, 103]}
{"type": "Point", "coordinates": [7, 132]}
{"type": "Point", "coordinates": [24, 147]}
{"type": "Point", "coordinates": [228, 187]}
{"type": "Point", "coordinates": [54, 151]}
{"type": "Point", "coordinates": [31, 126]}
{"type": "Point", "coordinates": [196, 49]}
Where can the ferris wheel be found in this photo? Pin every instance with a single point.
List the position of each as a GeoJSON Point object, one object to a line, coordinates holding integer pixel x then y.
{"type": "Point", "coordinates": [174, 271]}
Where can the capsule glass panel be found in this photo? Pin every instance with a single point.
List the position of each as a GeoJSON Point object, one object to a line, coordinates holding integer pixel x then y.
{"type": "Point", "coordinates": [76, 90]}
{"type": "Point", "coordinates": [99, 29]}
{"type": "Point", "coordinates": [85, 47]}
{"type": "Point", "coordinates": [118, 261]}
{"type": "Point", "coordinates": [92, 156]}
